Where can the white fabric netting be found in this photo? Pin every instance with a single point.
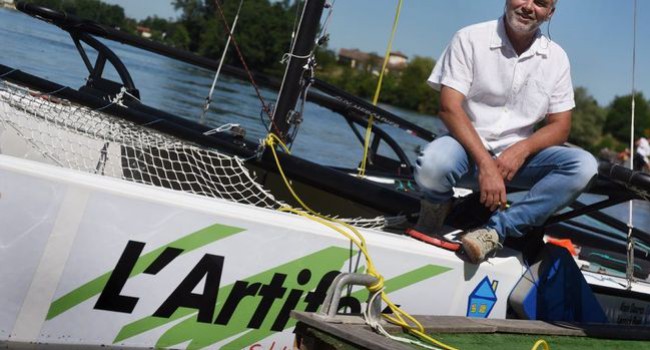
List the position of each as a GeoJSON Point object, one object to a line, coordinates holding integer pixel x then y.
{"type": "Point", "coordinates": [39, 126]}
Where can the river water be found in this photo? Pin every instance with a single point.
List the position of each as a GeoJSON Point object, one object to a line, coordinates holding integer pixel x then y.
{"type": "Point", "coordinates": [38, 48]}
{"type": "Point", "coordinates": [44, 50]}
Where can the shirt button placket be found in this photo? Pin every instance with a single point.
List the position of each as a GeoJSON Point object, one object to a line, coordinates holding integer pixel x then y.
{"type": "Point", "coordinates": [516, 80]}
{"type": "Point", "coordinates": [505, 116]}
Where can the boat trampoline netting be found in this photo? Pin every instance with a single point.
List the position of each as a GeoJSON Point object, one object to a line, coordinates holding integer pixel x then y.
{"type": "Point", "coordinates": [42, 127]}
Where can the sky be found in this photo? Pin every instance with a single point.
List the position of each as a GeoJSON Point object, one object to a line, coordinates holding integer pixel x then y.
{"type": "Point", "coordinates": [596, 34]}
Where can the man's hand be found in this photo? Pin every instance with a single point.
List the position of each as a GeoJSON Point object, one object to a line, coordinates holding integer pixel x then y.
{"type": "Point", "coordinates": [510, 160]}
{"type": "Point", "coordinates": [492, 187]}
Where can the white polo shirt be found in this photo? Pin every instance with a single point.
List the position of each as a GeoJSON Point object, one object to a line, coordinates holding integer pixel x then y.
{"type": "Point", "coordinates": [506, 94]}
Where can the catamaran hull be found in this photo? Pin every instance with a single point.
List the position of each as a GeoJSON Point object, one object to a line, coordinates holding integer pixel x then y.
{"type": "Point", "coordinates": [92, 260]}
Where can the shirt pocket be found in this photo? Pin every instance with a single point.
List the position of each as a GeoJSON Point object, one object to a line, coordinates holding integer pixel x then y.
{"type": "Point", "coordinates": [535, 100]}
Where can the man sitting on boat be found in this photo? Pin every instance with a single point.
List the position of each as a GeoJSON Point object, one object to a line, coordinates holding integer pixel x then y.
{"type": "Point", "coordinates": [497, 80]}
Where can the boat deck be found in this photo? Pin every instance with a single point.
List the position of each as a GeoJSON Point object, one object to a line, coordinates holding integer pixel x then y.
{"type": "Point", "coordinates": [352, 333]}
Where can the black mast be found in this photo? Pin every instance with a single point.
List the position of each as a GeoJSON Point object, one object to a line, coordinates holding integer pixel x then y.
{"type": "Point", "coordinates": [291, 83]}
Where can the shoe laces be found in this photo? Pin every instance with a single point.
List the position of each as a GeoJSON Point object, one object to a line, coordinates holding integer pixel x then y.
{"type": "Point", "coordinates": [486, 237]}
{"type": "Point", "coordinates": [488, 242]}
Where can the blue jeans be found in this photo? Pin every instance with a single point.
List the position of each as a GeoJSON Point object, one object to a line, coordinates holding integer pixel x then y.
{"type": "Point", "coordinates": [555, 177]}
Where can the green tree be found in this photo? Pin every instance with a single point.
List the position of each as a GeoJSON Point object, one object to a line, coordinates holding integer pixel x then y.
{"type": "Point", "coordinates": [193, 18]}
{"type": "Point", "coordinates": [619, 113]}
{"type": "Point", "coordinates": [390, 89]}
{"type": "Point", "coordinates": [374, 62]}
{"type": "Point", "coordinates": [191, 9]}
{"type": "Point", "coordinates": [587, 121]}
{"type": "Point", "coordinates": [129, 25]}
{"type": "Point", "coordinates": [355, 81]}
{"type": "Point", "coordinates": [179, 37]}
{"type": "Point", "coordinates": [415, 93]}
{"type": "Point", "coordinates": [263, 31]}
{"type": "Point", "coordinates": [156, 23]}
{"type": "Point", "coordinates": [407, 89]}
{"type": "Point", "coordinates": [111, 15]}
{"type": "Point", "coordinates": [325, 58]}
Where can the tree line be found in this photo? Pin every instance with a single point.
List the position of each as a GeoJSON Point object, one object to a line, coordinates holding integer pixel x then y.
{"type": "Point", "coordinates": [111, 15]}
{"type": "Point", "coordinates": [264, 33]}
{"type": "Point", "coordinates": [594, 127]}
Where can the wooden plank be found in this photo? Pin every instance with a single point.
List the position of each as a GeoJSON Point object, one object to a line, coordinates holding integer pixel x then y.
{"type": "Point", "coordinates": [448, 324]}
{"type": "Point", "coordinates": [533, 327]}
{"type": "Point", "coordinates": [360, 336]}
{"type": "Point", "coordinates": [603, 331]}
{"type": "Point", "coordinates": [351, 330]}
{"type": "Point", "coordinates": [458, 324]}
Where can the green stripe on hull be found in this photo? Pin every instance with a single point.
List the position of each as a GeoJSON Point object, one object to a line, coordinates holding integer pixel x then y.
{"type": "Point", "coordinates": [201, 334]}
{"type": "Point", "coordinates": [391, 285]}
{"type": "Point", "coordinates": [188, 243]}
{"type": "Point", "coordinates": [249, 323]}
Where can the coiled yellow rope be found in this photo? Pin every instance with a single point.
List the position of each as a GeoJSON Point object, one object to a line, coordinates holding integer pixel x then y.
{"type": "Point", "coordinates": [375, 99]}
{"type": "Point", "coordinates": [400, 318]}
{"type": "Point", "coordinates": [541, 343]}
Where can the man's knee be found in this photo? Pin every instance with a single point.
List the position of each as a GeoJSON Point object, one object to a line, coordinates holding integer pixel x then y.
{"type": "Point", "coordinates": [435, 173]}
{"type": "Point", "coordinates": [585, 168]}
{"type": "Point", "coordinates": [440, 165]}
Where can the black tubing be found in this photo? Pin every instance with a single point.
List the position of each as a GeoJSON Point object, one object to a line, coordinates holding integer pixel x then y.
{"type": "Point", "coordinates": [635, 180]}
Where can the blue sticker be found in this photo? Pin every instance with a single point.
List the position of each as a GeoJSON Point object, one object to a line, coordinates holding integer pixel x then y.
{"type": "Point", "coordinates": [482, 299]}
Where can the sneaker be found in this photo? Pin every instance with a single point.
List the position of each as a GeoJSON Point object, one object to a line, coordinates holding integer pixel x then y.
{"type": "Point", "coordinates": [479, 243]}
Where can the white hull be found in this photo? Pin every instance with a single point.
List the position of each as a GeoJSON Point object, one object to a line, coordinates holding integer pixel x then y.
{"type": "Point", "coordinates": [63, 233]}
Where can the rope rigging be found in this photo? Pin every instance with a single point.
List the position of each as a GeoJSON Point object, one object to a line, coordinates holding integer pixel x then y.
{"type": "Point", "coordinates": [265, 107]}
{"type": "Point", "coordinates": [275, 144]}
{"type": "Point", "coordinates": [208, 99]}
{"type": "Point", "coordinates": [398, 317]}
{"type": "Point", "coordinates": [375, 99]}
{"type": "Point", "coordinates": [295, 116]}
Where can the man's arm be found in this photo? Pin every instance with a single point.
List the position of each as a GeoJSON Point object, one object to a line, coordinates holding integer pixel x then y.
{"type": "Point", "coordinates": [554, 132]}
{"type": "Point", "coordinates": [452, 114]}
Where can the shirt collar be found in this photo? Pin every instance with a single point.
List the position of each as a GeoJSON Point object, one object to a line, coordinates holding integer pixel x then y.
{"type": "Point", "coordinates": [500, 39]}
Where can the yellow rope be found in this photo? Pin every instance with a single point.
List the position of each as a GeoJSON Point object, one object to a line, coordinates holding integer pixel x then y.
{"type": "Point", "coordinates": [400, 317]}
{"type": "Point", "coordinates": [375, 99]}
{"type": "Point", "coordinates": [543, 343]}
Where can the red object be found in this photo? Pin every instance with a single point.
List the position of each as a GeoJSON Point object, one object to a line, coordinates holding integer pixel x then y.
{"type": "Point", "coordinates": [565, 243]}
{"type": "Point", "coordinates": [433, 240]}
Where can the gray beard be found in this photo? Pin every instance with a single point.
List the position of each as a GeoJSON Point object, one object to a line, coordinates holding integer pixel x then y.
{"type": "Point", "coordinates": [517, 26]}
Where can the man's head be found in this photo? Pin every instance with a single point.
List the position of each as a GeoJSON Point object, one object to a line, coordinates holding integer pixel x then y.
{"type": "Point", "coordinates": [525, 16]}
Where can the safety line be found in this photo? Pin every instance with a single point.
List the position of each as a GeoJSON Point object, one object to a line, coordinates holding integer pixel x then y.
{"type": "Point", "coordinates": [399, 317]}
{"type": "Point", "coordinates": [375, 99]}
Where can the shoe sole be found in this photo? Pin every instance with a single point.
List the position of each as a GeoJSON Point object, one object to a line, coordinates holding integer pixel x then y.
{"type": "Point", "coordinates": [472, 250]}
